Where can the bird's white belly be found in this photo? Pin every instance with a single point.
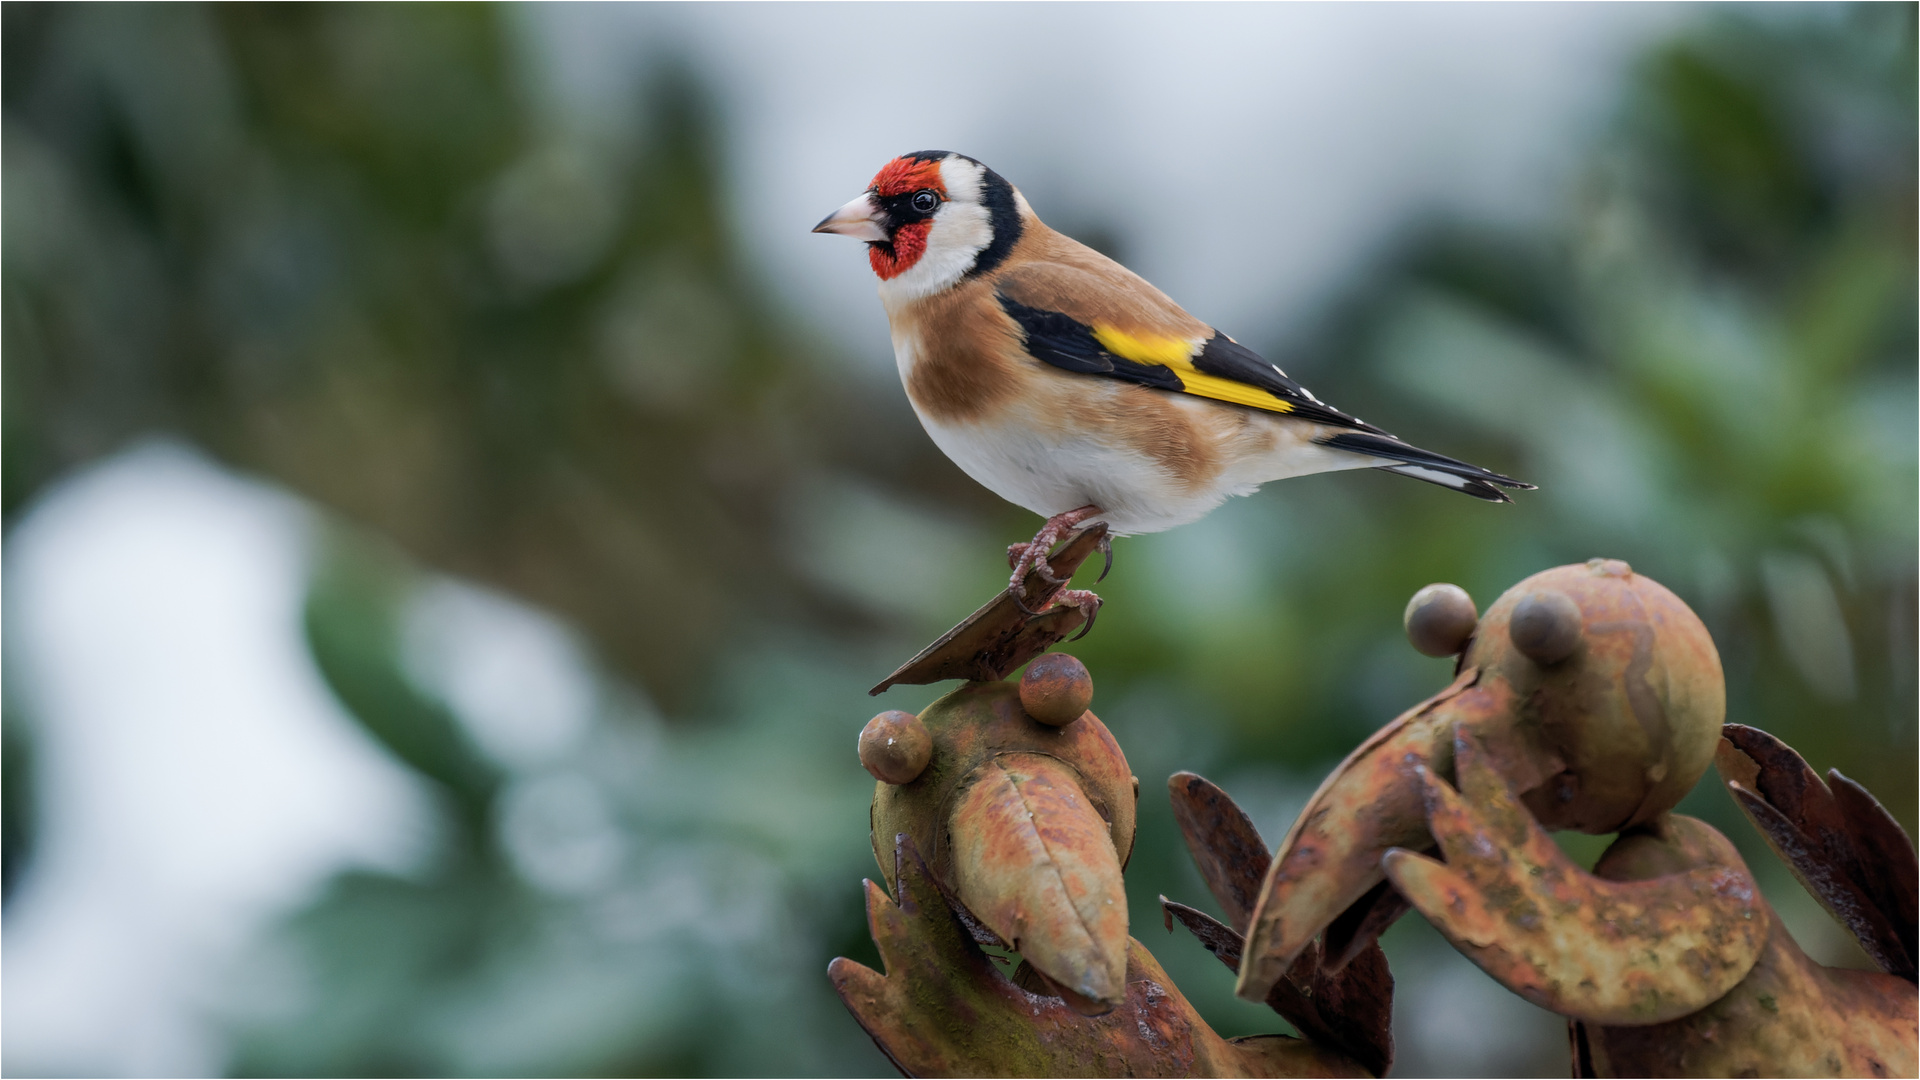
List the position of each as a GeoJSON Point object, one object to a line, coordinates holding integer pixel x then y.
{"type": "Point", "coordinates": [1051, 475]}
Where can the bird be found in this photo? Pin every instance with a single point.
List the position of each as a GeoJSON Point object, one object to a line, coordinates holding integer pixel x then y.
{"type": "Point", "coordinates": [1066, 384]}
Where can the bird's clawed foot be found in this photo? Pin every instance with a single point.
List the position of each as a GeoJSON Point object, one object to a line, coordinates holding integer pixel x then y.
{"type": "Point", "coordinates": [1032, 555]}
{"type": "Point", "coordinates": [1085, 600]}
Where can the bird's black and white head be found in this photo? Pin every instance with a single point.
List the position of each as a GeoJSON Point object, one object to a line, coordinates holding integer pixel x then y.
{"type": "Point", "coordinates": [930, 220]}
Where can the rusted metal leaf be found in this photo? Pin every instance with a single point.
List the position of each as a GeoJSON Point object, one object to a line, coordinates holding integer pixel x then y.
{"type": "Point", "coordinates": [1220, 939]}
{"type": "Point", "coordinates": [943, 1009]}
{"type": "Point", "coordinates": [1224, 843]}
{"type": "Point", "coordinates": [1599, 726]}
{"type": "Point", "coordinates": [1840, 842]}
{"type": "Point", "coordinates": [969, 727]}
{"type": "Point", "coordinates": [1790, 1016]}
{"type": "Point", "coordinates": [1330, 859]}
{"type": "Point", "coordinates": [1029, 826]}
{"type": "Point", "coordinates": [1352, 1008]}
{"type": "Point", "coordinates": [1610, 952]}
{"type": "Point", "coordinates": [1000, 637]}
{"type": "Point", "coordinates": [1034, 863]}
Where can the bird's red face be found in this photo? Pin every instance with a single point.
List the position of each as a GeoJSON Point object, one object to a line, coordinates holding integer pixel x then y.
{"type": "Point", "coordinates": [931, 215]}
{"type": "Point", "coordinates": [895, 214]}
{"type": "Point", "coordinates": [912, 191]}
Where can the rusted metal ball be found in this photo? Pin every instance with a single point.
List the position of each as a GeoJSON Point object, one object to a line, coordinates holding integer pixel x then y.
{"type": "Point", "coordinates": [895, 747]}
{"type": "Point", "coordinates": [1546, 626]}
{"type": "Point", "coordinates": [1615, 695]}
{"type": "Point", "coordinates": [1440, 619]}
{"type": "Point", "coordinates": [1056, 689]}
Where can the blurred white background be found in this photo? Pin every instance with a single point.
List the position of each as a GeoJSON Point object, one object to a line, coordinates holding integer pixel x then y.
{"type": "Point", "coordinates": [1248, 156]}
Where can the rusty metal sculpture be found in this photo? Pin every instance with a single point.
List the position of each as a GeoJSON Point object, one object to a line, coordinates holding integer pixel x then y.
{"type": "Point", "coordinates": [944, 1008]}
{"type": "Point", "coordinates": [1024, 810]}
{"type": "Point", "coordinates": [1587, 698]}
{"type": "Point", "coordinates": [1595, 690]}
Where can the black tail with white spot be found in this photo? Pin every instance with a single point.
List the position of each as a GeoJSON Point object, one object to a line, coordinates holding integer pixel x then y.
{"type": "Point", "coordinates": [1427, 465]}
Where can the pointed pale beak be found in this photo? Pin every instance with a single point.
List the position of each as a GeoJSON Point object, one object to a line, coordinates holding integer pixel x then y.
{"type": "Point", "coordinates": [860, 219]}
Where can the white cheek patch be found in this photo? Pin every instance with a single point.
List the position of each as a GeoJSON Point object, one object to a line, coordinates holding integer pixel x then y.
{"type": "Point", "coordinates": [961, 231]}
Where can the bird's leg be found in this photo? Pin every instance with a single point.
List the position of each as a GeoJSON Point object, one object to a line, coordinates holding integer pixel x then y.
{"type": "Point", "coordinates": [1032, 555]}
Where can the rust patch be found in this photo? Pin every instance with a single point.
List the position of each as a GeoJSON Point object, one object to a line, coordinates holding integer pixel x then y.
{"type": "Point", "coordinates": [1839, 841]}
{"type": "Point", "coordinates": [942, 1008]}
{"type": "Point", "coordinates": [1640, 693]}
{"type": "Point", "coordinates": [1034, 863]}
{"type": "Point", "coordinates": [1611, 952]}
{"type": "Point", "coordinates": [1225, 846]}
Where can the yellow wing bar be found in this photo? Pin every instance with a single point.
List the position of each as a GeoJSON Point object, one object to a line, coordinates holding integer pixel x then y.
{"type": "Point", "coordinates": [1177, 354]}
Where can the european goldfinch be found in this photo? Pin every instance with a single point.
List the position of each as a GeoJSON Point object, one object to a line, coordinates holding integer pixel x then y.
{"type": "Point", "coordinates": [1068, 385]}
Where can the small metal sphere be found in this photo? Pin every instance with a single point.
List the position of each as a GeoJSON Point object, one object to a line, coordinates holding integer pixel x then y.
{"type": "Point", "coordinates": [1546, 626]}
{"type": "Point", "coordinates": [895, 747]}
{"type": "Point", "coordinates": [1056, 689]}
{"type": "Point", "coordinates": [1440, 619]}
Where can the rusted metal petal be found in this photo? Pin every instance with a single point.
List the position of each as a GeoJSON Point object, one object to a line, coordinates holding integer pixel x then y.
{"type": "Point", "coordinates": [1036, 864]}
{"type": "Point", "coordinates": [1226, 847]}
{"type": "Point", "coordinates": [1348, 1005]}
{"type": "Point", "coordinates": [943, 1009]}
{"type": "Point", "coordinates": [1331, 857]}
{"type": "Point", "coordinates": [1219, 939]}
{"type": "Point", "coordinates": [1789, 1017]}
{"type": "Point", "coordinates": [1351, 1008]}
{"type": "Point", "coordinates": [1637, 952]}
{"type": "Point", "coordinates": [1840, 842]}
{"type": "Point", "coordinates": [1000, 637]}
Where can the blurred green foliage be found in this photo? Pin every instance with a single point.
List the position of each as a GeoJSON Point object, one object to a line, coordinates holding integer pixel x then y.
{"type": "Point", "coordinates": [347, 248]}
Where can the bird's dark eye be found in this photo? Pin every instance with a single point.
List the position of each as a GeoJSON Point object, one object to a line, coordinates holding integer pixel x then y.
{"type": "Point", "coordinates": [926, 202]}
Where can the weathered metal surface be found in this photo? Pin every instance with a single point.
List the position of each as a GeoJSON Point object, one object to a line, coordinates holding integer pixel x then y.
{"type": "Point", "coordinates": [1607, 951]}
{"type": "Point", "coordinates": [1440, 620]}
{"type": "Point", "coordinates": [1789, 1017]}
{"type": "Point", "coordinates": [1036, 864]}
{"type": "Point", "coordinates": [1350, 1007]}
{"type": "Point", "coordinates": [942, 1008]}
{"type": "Point", "coordinates": [1055, 689]}
{"type": "Point", "coordinates": [1330, 859]}
{"type": "Point", "coordinates": [1000, 637]}
{"type": "Point", "coordinates": [1029, 826]}
{"type": "Point", "coordinates": [1587, 698]}
{"type": "Point", "coordinates": [1358, 928]}
{"type": "Point", "coordinates": [1225, 845]}
{"type": "Point", "coordinates": [1610, 735]}
{"type": "Point", "coordinates": [1839, 841]}
{"type": "Point", "coordinates": [895, 747]}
